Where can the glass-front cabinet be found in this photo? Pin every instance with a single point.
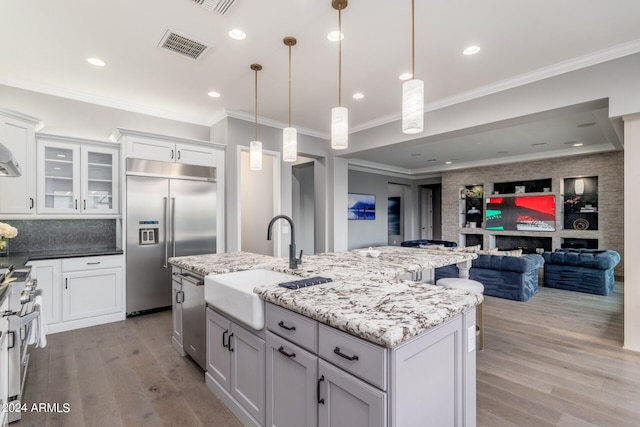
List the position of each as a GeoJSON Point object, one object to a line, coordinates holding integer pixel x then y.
{"type": "Point", "coordinates": [76, 178]}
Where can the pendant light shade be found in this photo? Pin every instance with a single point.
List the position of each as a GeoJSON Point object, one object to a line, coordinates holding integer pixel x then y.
{"type": "Point", "coordinates": [339, 114]}
{"type": "Point", "coordinates": [255, 147]}
{"type": "Point", "coordinates": [255, 155]}
{"type": "Point", "coordinates": [579, 186]}
{"type": "Point", "coordinates": [339, 128]}
{"type": "Point", "coordinates": [413, 91]}
{"type": "Point", "coordinates": [289, 134]}
{"type": "Point", "coordinates": [289, 144]}
{"type": "Point", "coordinates": [413, 106]}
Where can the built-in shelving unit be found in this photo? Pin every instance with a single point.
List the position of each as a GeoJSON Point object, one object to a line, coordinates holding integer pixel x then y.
{"type": "Point", "coordinates": [580, 203]}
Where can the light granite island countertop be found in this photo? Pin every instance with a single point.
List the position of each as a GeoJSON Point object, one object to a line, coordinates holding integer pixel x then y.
{"type": "Point", "coordinates": [386, 313]}
{"type": "Point", "coordinates": [369, 345]}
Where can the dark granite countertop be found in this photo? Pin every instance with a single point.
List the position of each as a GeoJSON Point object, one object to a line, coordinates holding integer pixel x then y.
{"type": "Point", "coordinates": [18, 259]}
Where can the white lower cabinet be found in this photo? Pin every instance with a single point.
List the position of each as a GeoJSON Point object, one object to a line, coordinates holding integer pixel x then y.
{"type": "Point", "coordinates": [292, 384]}
{"type": "Point", "coordinates": [80, 292]}
{"type": "Point", "coordinates": [49, 276]}
{"type": "Point", "coordinates": [346, 401]}
{"type": "Point", "coordinates": [91, 293]}
{"type": "Point", "coordinates": [320, 376]}
{"type": "Point", "coordinates": [236, 367]}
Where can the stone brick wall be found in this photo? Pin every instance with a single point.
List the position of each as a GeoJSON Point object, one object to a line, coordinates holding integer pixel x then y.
{"type": "Point", "coordinates": [608, 167]}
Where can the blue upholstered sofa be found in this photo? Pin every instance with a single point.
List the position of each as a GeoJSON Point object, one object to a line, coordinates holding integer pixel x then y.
{"type": "Point", "coordinates": [581, 270]}
{"type": "Point", "coordinates": [510, 277]}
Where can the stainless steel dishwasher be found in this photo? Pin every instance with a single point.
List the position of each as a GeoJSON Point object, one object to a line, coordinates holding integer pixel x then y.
{"type": "Point", "coordinates": [194, 317]}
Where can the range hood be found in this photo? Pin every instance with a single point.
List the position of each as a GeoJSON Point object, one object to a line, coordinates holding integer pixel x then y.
{"type": "Point", "coordinates": [8, 164]}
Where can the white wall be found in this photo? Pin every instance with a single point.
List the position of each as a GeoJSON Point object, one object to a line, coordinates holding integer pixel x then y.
{"type": "Point", "coordinates": [257, 204]}
{"type": "Point", "coordinates": [77, 119]}
{"type": "Point", "coordinates": [631, 243]}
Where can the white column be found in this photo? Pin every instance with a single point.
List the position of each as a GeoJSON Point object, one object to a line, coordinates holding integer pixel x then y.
{"type": "Point", "coordinates": [631, 232]}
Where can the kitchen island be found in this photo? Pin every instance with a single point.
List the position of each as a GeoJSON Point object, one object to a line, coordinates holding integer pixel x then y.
{"type": "Point", "coordinates": [366, 349]}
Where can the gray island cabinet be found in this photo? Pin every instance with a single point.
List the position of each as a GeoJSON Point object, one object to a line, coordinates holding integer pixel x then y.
{"type": "Point", "coordinates": [320, 376]}
{"type": "Point", "coordinates": [368, 349]}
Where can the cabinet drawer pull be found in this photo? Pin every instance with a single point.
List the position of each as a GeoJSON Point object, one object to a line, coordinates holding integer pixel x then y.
{"type": "Point", "coordinates": [229, 342]}
{"type": "Point", "coordinates": [224, 344]}
{"type": "Point", "coordinates": [281, 350]}
{"type": "Point", "coordinates": [341, 354]}
{"type": "Point", "coordinates": [93, 263]}
{"type": "Point", "coordinates": [171, 154]}
{"type": "Point", "coordinates": [288, 328]}
{"type": "Point", "coordinates": [32, 203]}
{"type": "Point", "coordinates": [320, 400]}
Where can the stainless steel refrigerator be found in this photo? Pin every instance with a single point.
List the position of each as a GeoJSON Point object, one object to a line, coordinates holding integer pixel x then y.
{"type": "Point", "coordinates": [171, 211]}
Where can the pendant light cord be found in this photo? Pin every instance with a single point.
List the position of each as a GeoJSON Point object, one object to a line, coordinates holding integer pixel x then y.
{"type": "Point", "coordinates": [289, 85]}
{"type": "Point", "coordinates": [256, 109]}
{"type": "Point", "coordinates": [413, 41]}
{"type": "Point", "coordinates": [340, 57]}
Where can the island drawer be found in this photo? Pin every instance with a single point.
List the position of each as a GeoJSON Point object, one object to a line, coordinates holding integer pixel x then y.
{"type": "Point", "coordinates": [355, 355]}
{"type": "Point", "coordinates": [293, 326]}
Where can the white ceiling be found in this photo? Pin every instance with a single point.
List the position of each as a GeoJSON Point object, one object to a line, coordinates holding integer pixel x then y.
{"type": "Point", "coordinates": [46, 44]}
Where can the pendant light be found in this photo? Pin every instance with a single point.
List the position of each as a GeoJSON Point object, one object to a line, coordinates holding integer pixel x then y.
{"type": "Point", "coordinates": [289, 134]}
{"type": "Point", "coordinates": [339, 114]}
{"type": "Point", "coordinates": [413, 91]}
{"type": "Point", "coordinates": [255, 147]}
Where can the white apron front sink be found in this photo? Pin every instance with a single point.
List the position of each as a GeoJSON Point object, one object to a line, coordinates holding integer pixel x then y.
{"type": "Point", "coordinates": [232, 293]}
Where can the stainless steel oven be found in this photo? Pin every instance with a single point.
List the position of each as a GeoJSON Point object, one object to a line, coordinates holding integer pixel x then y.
{"type": "Point", "coordinates": [21, 315]}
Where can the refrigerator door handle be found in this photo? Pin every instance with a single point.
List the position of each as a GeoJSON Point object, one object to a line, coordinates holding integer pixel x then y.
{"type": "Point", "coordinates": [173, 226]}
{"type": "Point", "coordinates": [166, 239]}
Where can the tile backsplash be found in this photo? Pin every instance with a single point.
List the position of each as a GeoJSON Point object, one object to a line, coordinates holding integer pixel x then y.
{"type": "Point", "coordinates": [55, 234]}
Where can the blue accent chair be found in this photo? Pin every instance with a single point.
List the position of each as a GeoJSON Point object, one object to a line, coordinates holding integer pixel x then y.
{"type": "Point", "coordinates": [581, 270]}
{"type": "Point", "coordinates": [510, 277]}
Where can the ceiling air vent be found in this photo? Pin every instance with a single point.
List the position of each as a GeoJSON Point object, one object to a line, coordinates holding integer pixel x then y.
{"type": "Point", "coordinates": [182, 45]}
{"type": "Point", "coordinates": [219, 6]}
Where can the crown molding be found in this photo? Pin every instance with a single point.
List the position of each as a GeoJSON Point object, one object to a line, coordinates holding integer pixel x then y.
{"type": "Point", "coordinates": [16, 115]}
{"type": "Point", "coordinates": [564, 67]}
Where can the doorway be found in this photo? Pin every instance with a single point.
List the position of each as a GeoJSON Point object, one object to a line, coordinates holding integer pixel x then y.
{"type": "Point", "coordinates": [258, 202]}
{"type": "Point", "coordinates": [395, 214]}
{"type": "Point", "coordinates": [430, 212]}
{"type": "Point", "coordinates": [303, 203]}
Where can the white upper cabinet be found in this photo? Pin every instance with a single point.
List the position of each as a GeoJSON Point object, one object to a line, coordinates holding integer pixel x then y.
{"type": "Point", "coordinates": [140, 145]}
{"type": "Point", "coordinates": [17, 133]}
{"type": "Point", "coordinates": [77, 178]}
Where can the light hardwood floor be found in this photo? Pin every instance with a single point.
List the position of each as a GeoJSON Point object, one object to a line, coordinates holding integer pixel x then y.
{"type": "Point", "coordinates": [555, 360]}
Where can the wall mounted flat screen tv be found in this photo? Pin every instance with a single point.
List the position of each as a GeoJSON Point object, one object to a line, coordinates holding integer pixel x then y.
{"type": "Point", "coordinates": [521, 213]}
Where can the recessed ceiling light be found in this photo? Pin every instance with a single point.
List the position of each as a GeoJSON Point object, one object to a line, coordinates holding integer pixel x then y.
{"type": "Point", "coordinates": [214, 94]}
{"type": "Point", "coordinates": [586, 125]}
{"type": "Point", "coordinates": [96, 61]}
{"type": "Point", "coordinates": [447, 163]}
{"type": "Point", "coordinates": [237, 34]}
{"type": "Point", "coordinates": [578, 144]}
{"type": "Point", "coordinates": [333, 36]}
{"type": "Point", "coordinates": [405, 76]}
{"type": "Point", "coordinates": [358, 95]}
{"type": "Point", "coordinates": [471, 50]}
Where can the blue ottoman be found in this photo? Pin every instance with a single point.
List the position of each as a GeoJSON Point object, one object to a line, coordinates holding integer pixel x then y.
{"type": "Point", "coordinates": [581, 270]}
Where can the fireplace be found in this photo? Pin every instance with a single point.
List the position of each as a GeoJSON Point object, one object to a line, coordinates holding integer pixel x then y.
{"type": "Point", "coordinates": [528, 244]}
